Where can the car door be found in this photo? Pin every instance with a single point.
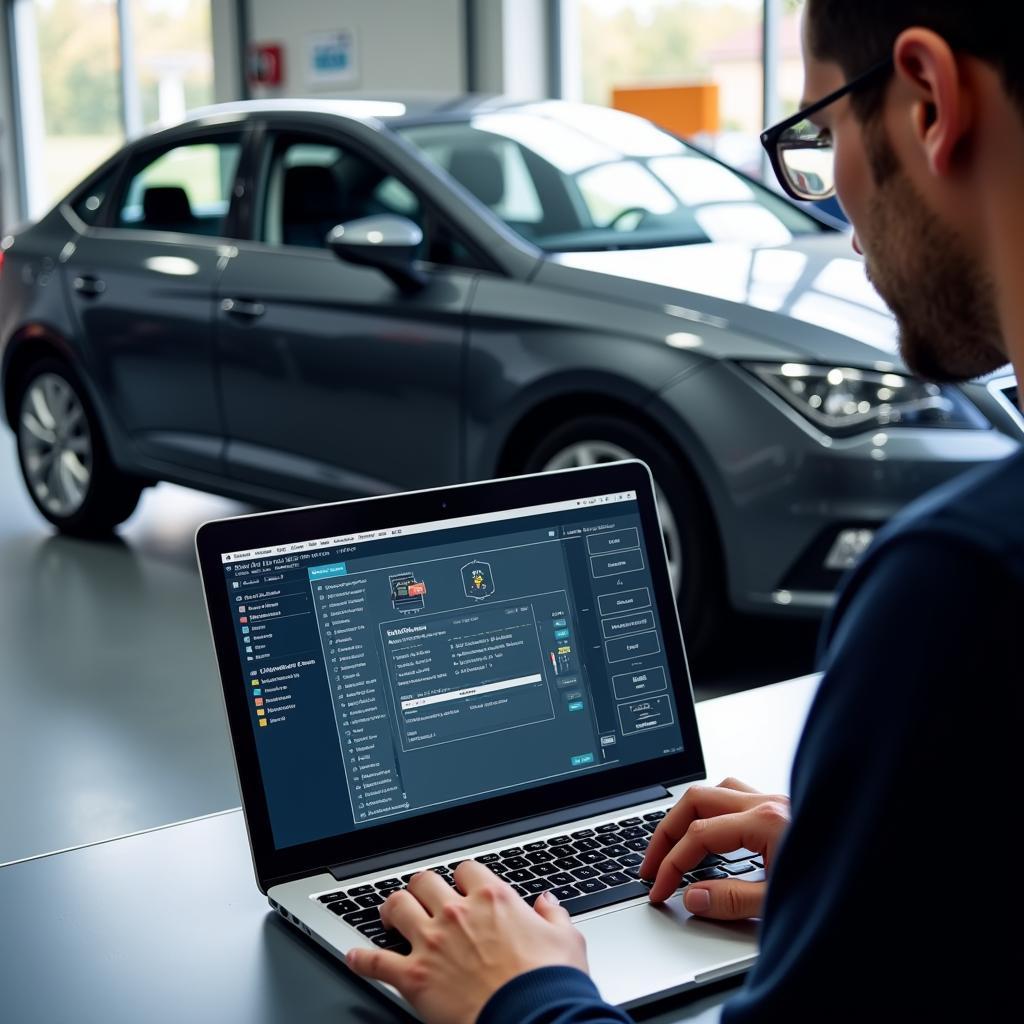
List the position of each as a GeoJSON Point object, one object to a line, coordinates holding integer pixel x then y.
{"type": "Point", "coordinates": [142, 285]}
{"type": "Point", "coordinates": [334, 382]}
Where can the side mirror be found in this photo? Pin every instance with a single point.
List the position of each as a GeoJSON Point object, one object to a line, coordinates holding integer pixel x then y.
{"type": "Point", "coordinates": [386, 242]}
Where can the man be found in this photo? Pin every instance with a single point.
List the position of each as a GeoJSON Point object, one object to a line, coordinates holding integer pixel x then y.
{"type": "Point", "coordinates": [889, 891]}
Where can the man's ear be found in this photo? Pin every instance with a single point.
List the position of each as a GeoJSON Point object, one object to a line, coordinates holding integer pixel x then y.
{"type": "Point", "coordinates": [941, 112]}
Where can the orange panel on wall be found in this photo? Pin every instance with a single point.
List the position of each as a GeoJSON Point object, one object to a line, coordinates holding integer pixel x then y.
{"type": "Point", "coordinates": [682, 109]}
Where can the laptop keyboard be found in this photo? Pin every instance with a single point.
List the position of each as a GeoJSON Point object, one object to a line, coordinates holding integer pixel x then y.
{"type": "Point", "coordinates": [586, 869]}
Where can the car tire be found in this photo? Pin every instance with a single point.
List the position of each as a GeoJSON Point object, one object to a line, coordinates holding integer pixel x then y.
{"type": "Point", "coordinates": [691, 541]}
{"type": "Point", "coordinates": [63, 455]}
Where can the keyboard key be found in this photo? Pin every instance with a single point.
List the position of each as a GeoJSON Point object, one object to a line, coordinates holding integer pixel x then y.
{"type": "Point", "coordinates": [738, 855]}
{"type": "Point", "coordinates": [631, 860]}
{"type": "Point", "coordinates": [538, 856]}
{"type": "Point", "coordinates": [616, 878]}
{"type": "Point", "coordinates": [360, 890]}
{"type": "Point", "coordinates": [522, 875]}
{"type": "Point", "coordinates": [582, 845]}
{"type": "Point", "coordinates": [590, 885]}
{"type": "Point", "coordinates": [591, 857]}
{"type": "Point", "coordinates": [704, 874]}
{"type": "Point", "coordinates": [605, 898]}
{"type": "Point", "coordinates": [757, 862]}
{"type": "Point", "coordinates": [738, 869]}
{"type": "Point", "coordinates": [370, 899]}
{"type": "Point", "coordinates": [409, 877]}
{"type": "Point", "coordinates": [343, 907]}
{"type": "Point", "coordinates": [513, 863]}
{"type": "Point", "coordinates": [636, 832]}
{"type": "Point", "coordinates": [604, 866]}
{"type": "Point", "coordinates": [545, 869]}
{"type": "Point", "coordinates": [488, 858]}
{"type": "Point", "coordinates": [609, 839]}
{"type": "Point", "coordinates": [654, 815]}
{"type": "Point", "coordinates": [537, 885]}
{"type": "Point", "coordinates": [650, 826]}
{"type": "Point", "coordinates": [710, 861]}
{"type": "Point", "coordinates": [584, 872]}
{"type": "Point", "coordinates": [568, 863]}
{"type": "Point", "coordinates": [615, 851]}
{"type": "Point", "coordinates": [330, 897]}
{"type": "Point", "coordinates": [371, 929]}
{"type": "Point", "coordinates": [358, 917]}
{"type": "Point", "coordinates": [559, 841]}
{"type": "Point", "coordinates": [389, 883]}
{"type": "Point", "coordinates": [512, 851]}
{"type": "Point", "coordinates": [583, 833]}
{"type": "Point", "coordinates": [454, 864]}
{"type": "Point", "coordinates": [636, 844]}
{"type": "Point", "coordinates": [627, 822]}
{"type": "Point", "coordinates": [565, 892]}
{"type": "Point", "coordinates": [397, 943]}
{"type": "Point", "coordinates": [609, 826]}
{"type": "Point", "coordinates": [520, 890]}
{"type": "Point", "coordinates": [561, 878]}
{"type": "Point", "coordinates": [538, 845]}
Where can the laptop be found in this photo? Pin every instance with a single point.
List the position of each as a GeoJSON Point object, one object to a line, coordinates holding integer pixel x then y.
{"type": "Point", "coordinates": [491, 670]}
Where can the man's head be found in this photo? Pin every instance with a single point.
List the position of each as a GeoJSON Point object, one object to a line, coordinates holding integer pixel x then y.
{"type": "Point", "coordinates": [915, 151]}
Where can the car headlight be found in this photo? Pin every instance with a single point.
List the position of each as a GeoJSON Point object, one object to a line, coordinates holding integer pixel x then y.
{"type": "Point", "coordinates": [842, 400]}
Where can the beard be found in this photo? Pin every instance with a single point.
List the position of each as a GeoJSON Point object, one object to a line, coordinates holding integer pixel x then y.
{"type": "Point", "coordinates": [944, 303]}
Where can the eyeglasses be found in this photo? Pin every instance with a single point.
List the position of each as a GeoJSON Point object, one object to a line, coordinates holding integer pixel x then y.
{"type": "Point", "coordinates": [801, 153]}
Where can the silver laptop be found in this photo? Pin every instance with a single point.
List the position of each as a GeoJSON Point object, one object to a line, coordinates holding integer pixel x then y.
{"type": "Point", "coordinates": [492, 670]}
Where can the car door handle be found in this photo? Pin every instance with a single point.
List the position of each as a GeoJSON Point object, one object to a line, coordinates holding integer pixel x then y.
{"type": "Point", "coordinates": [86, 284]}
{"type": "Point", "coordinates": [242, 307]}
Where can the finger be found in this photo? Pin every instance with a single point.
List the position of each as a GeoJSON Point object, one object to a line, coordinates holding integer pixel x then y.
{"type": "Point", "coordinates": [705, 835]}
{"type": "Point", "coordinates": [432, 891]}
{"type": "Point", "coordinates": [379, 964]}
{"type": "Point", "coordinates": [697, 802]}
{"type": "Point", "coordinates": [403, 911]}
{"type": "Point", "coordinates": [471, 876]}
{"type": "Point", "coordinates": [550, 909]}
{"type": "Point", "coordinates": [738, 785]}
{"type": "Point", "coordinates": [725, 899]}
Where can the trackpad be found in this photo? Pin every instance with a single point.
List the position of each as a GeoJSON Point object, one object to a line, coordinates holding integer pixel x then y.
{"type": "Point", "coordinates": [638, 952]}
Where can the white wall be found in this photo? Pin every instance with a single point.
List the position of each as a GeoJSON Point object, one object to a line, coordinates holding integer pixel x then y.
{"type": "Point", "coordinates": [401, 45]}
{"type": "Point", "coordinates": [227, 75]}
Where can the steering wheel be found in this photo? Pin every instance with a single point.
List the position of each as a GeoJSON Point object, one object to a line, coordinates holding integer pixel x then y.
{"type": "Point", "coordinates": [642, 210]}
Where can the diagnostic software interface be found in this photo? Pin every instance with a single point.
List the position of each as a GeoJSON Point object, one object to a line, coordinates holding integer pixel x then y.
{"type": "Point", "coordinates": [396, 672]}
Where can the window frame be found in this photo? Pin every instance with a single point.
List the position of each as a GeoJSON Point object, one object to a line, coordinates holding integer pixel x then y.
{"type": "Point", "coordinates": [269, 129]}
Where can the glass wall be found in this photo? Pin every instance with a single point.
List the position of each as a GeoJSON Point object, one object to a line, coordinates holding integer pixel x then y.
{"type": "Point", "coordinates": [91, 72]}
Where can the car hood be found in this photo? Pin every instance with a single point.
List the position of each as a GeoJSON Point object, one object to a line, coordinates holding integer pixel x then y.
{"type": "Point", "coordinates": [810, 299]}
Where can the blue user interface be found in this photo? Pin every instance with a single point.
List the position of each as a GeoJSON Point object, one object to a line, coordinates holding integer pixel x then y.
{"type": "Point", "coordinates": [397, 672]}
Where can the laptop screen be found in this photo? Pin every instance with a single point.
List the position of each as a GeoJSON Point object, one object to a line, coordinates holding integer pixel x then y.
{"type": "Point", "coordinates": [392, 673]}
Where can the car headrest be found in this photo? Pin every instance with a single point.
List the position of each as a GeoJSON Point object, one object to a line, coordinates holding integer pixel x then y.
{"type": "Point", "coordinates": [480, 171]}
{"type": "Point", "coordinates": [166, 204]}
{"type": "Point", "coordinates": [310, 195]}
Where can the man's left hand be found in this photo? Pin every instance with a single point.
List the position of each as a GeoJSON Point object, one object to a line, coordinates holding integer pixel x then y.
{"type": "Point", "coordinates": [464, 948]}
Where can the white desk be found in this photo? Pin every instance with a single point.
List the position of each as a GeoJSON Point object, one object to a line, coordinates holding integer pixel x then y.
{"type": "Point", "coordinates": [168, 926]}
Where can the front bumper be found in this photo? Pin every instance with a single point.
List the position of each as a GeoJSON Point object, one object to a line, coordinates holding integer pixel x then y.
{"type": "Point", "coordinates": [781, 492]}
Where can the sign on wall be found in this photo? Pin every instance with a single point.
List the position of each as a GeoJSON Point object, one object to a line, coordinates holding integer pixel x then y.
{"type": "Point", "coordinates": [331, 58]}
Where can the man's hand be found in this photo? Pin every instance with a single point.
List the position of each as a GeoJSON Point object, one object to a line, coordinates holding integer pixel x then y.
{"type": "Point", "coordinates": [464, 948]}
{"type": "Point", "coordinates": [715, 819]}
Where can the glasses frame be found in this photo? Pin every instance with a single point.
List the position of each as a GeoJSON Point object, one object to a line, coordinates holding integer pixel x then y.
{"type": "Point", "coordinates": [770, 136]}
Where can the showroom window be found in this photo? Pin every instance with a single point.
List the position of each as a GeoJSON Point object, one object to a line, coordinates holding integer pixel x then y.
{"type": "Point", "coordinates": [91, 73]}
{"type": "Point", "coordinates": [186, 189]}
{"type": "Point", "coordinates": [696, 67]}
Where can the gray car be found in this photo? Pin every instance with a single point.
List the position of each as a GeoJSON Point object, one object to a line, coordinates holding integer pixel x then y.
{"type": "Point", "coordinates": [288, 301]}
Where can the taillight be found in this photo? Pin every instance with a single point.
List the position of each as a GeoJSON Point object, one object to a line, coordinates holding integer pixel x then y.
{"type": "Point", "coordinates": [1, 261]}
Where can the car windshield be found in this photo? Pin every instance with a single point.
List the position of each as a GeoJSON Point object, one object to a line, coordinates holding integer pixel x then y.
{"type": "Point", "coordinates": [570, 177]}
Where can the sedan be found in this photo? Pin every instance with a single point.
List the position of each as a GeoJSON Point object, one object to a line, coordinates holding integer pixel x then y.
{"type": "Point", "coordinates": [286, 301]}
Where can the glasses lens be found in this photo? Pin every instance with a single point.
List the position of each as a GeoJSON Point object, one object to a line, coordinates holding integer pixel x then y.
{"type": "Point", "coordinates": [806, 158]}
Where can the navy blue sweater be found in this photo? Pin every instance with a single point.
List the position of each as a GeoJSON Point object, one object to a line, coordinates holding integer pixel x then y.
{"type": "Point", "coordinates": [899, 870]}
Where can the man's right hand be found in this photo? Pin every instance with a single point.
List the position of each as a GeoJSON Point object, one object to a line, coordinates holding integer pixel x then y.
{"type": "Point", "coordinates": [715, 819]}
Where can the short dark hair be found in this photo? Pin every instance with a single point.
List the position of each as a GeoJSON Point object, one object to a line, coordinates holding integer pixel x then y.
{"type": "Point", "coordinates": [859, 33]}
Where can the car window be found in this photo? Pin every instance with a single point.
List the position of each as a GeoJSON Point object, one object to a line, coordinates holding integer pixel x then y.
{"type": "Point", "coordinates": [186, 189]}
{"type": "Point", "coordinates": [570, 177]}
{"type": "Point", "coordinates": [90, 203]}
{"type": "Point", "coordinates": [309, 186]}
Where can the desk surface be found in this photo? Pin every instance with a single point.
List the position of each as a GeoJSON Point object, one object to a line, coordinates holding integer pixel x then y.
{"type": "Point", "coordinates": [168, 925]}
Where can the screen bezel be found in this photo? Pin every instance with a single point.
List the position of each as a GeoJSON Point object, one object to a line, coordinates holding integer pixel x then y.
{"type": "Point", "coordinates": [215, 538]}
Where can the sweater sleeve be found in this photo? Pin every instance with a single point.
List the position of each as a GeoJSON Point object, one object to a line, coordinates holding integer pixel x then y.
{"type": "Point", "coordinates": [550, 995]}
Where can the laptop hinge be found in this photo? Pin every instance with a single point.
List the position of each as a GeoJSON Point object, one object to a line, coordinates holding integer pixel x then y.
{"type": "Point", "coordinates": [423, 851]}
